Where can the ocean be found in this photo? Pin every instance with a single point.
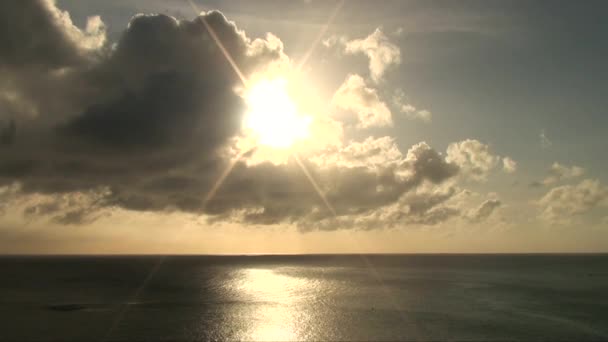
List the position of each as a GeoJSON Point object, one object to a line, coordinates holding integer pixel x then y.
{"type": "Point", "coordinates": [304, 298]}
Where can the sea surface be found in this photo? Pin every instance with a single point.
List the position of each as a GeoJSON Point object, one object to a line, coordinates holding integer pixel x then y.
{"type": "Point", "coordinates": [318, 297]}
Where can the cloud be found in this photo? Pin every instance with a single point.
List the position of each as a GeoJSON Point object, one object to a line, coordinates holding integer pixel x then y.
{"type": "Point", "coordinates": [509, 165]}
{"type": "Point", "coordinates": [148, 125]}
{"type": "Point", "coordinates": [559, 172]}
{"type": "Point", "coordinates": [73, 208]}
{"type": "Point", "coordinates": [335, 41]}
{"type": "Point", "coordinates": [369, 177]}
{"type": "Point", "coordinates": [7, 195]}
{"type": "Point", "coordinates": [8, 133]}
{"type": "Point", "coordinates": [371, 153]}
{"type": "Point", "coordinates": [544, 140]}
{"type": "Point", "coordinates": [428, 162]}
{"type": "Point", "coordinates": [561, 204]}
{"type": "Point", "coordinates": [151, 123]}
{"type": "Point", "coordinates": [473, 157]}
{"type": "Point", "coordinates": [355, 96]}
{"type": "Point", "coordinates": [381, 52]}
{"type": "Point", "coordinates": [484, 210]}
{"type": "Point", "coordinates": [36, 32]}
{"type": "Point", "coordinates": [409, 110]}
{"type": "Point", "coordinates": [162, 99]}
{"type": "Point", "coordinates": [427, 206]}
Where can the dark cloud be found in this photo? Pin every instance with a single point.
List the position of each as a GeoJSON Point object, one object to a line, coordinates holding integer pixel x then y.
{"type": "Point", "coordinates": [8, 133]}
{"type": "Point", "coordinates": [145, 125]}
{"type": "Point", "coordinates": [42, 209]}
{"type": "Point", "coordinates": [33, 32]}
{"type": "Point", "coordinates": [429, 164]}
{"type": "Point", "coordinates": [162, 99]}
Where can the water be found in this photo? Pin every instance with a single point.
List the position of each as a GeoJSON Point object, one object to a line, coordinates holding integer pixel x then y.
{"type": "Point", "coordinates": [348, 297]}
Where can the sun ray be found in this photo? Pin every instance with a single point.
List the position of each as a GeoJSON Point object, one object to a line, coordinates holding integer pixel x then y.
{"type": "Point", "coordinates": [216, 186]}
{"type": "Point", "coordinates": [219, 44]}
{"type": "Point", "coordinates": [322, 32]}
{"type": "Point", "coordinates": [124, 308]}
{"type": "Point", "coordinates": [223, 177]}
{"type": "Point", "coordinates": [315, 185]}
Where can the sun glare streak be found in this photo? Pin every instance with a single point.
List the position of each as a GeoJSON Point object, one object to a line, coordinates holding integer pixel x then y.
{"type": "Point", "coordinates": [219, 44]}
{"type": "Point", "coordinates": [314, 44]}
{"type": "Point", "coordinates": [124, 308]}
{"type": "Point", "coordinates": [291, 127]}
{"type": "Point", "coordinates": [314, 184]}
{"type": "Point", "coordinates": [223, 177]}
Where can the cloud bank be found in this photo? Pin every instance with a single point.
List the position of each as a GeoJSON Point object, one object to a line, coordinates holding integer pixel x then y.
{"type": "Point", "coordinates": [148, 124]}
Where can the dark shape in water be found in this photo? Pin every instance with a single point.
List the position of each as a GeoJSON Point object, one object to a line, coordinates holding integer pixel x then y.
{"type": "Point", "coordinates": [66, 307]}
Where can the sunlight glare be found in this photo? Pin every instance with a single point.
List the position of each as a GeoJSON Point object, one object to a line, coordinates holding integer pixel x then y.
{"type": "Point", "coordinates": [273, 116]}
{"type": "Point", "coordinates": [279, 318]}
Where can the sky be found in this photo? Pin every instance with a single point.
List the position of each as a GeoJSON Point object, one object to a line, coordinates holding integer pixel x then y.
{"type": "Point", "coordinates": [237, 127]}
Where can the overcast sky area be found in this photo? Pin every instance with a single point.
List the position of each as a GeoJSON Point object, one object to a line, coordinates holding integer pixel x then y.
{"type": "Point", "coordinates": [431, 126]}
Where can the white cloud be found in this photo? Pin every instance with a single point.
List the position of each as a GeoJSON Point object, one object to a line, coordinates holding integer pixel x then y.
{"type": "Point", "coordinates": [564, 202]}
{"type": "Point", "coordinates": [473, 157]}
{"type": "Point", "coordinates": [409, 110]}
{"type": "Point", "coordinates": [509, 165]}
{"type": "Point", "coordinates": [370, 153]}
{"type": "Point", "coordinates": [559, 172]}
{"type": "Point", "coordinates": [335, 41]}
{"type": "Point", "coordinates": [381, 52]}
{"type": "Point", "coordinates": [356, 96]}
{"type": "Point", "coordinates": [92, 38]}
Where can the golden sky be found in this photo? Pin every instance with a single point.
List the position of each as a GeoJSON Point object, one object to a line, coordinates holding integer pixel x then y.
{"type": "Point", "coordinates": [180, 132]}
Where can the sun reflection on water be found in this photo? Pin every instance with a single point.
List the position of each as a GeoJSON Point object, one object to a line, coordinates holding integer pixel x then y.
{"type": "Point", "coordinates": [276, 316]}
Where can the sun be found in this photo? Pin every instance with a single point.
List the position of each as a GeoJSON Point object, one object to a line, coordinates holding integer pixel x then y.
{"type": "Point", "coordinates": [272, 115]}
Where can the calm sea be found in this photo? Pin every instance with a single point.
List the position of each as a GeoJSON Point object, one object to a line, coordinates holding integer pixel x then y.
{"type": "Point", "coordinates": [322, 297]}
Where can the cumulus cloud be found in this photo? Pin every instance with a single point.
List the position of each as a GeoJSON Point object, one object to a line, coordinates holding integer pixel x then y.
{"type": "Point", "coordinates": [473, 157]}
{"type": "Point", "coordinates": [371, 152]}
{"type": "Point", "coordinates": [162, 100]}
{"type": "Point", "coordinates": [559, 172]}
{"type": "Point", "coordinates": [355, 96]}
{"type": "Point", "coordinates": [146, 126]}
{"type": "Point", "coordinates": [509, 165]}
{"type": "Point", "coordinates": [377, 47]}
{"type": "Point", "coordinates": [426, 206]}
{"type": "Point", "coordinates": [36, 32]}
{"type": "Point", "coordinates": [429, 206]}
{"type": "Point", "coordinates": [409, 110]}
{"type": "Point", "coordinates": [358, 185]}
{"type": "Point", "coordinates": [484, 210]}
{"type": "Point", "coordinates": [561, 204]}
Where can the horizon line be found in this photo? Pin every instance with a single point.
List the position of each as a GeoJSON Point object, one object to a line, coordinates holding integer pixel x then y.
{"type": "Point", "coordinates": [292, 254]}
